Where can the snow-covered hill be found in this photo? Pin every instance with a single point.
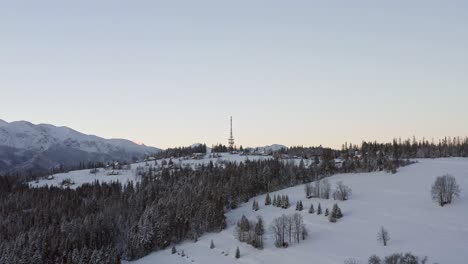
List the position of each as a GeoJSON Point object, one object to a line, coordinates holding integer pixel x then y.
{"type": "Point", "coordinates": [25, 146]}
{"type": "Point", "coordinates": [80, 177]}
{"type": "Point", "coordinates": [401, 202]}
{"type": "Point", "coordinates": [268, 148]}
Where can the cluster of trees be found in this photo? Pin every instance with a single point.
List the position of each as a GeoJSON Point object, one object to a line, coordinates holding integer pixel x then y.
{"type": "Point", "coordinates": [281, 201]}
{"type": "Point", "coordinates": [444, 189]}
{"type": "Point", "coordinates": [288, 229]}
{"type": "Point", "coordinates": [372, 156]}
{"type": "Point", "coordinates": [219, 148]}
{"type": "Point", "coordinates": [322, 189]}
{"type": "Point", "coordinates": [333, 216]}
{"type": "Point", "coordinates": [251, 232]}
{"type": "Point", "coordinates": [397, 258]}
{"type": "Point", "coordinates": [181, 151]}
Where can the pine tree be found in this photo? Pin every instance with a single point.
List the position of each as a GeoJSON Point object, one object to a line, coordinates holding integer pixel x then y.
{"type": "Point", "coordinates": [301, 206]}
{"type": "Point", "coordinates": [285, 204]}
{"type": "Point", "coordinates": [338, 212]}
{"type": "Point", "coordinates": [174, 250]}
{"type": "Point", "coordinates": [319, 210]}
{"type": "Point", "coordinates": [311, 209]}
{"type": "Point", "coordinates": [326, 212]}
{"type": "Point", "coordinates": [237, 253]}
{"type": "Point", "coordinates": [267, 199]}
{"type": "Point", "coordinates": [332, 218]}
{"type": "Point", "coordinates": [259, 232]}
{"type": "Point", "coordinates": [212, 244]}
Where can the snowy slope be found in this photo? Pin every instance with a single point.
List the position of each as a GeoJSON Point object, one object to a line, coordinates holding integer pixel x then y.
{"type": "Point", "coordinates": [84, 176]}
{"type": "Point", "coordinates": [25, 146]}
{"type": "Point", "coordinates": [25, 135]}
{"type": "Point", "coordinates": [401, 202]}
{"type": "Point", "coordinates": [268, 148]}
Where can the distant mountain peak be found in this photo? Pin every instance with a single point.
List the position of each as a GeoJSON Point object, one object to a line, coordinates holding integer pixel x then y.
{"type": "Point", "coordinates": [26, 145]}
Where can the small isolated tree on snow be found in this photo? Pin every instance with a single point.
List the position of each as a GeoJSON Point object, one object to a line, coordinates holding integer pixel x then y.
{"type": "Point", "coordinates": [342, 192]}
{"type": "Point", "coordinates": [174, 250]}
{"type": "Point", "coordinates": [444, 189]}
{"type": "Point", "coordinates": [268, 199]}
{"type": "Point", "coordinates": [311, 209]}
{"type": "Point", "coordinates": [275, 202]}
{"type": "Point", "coordinates": [336, 212]}
{"type": "Point", "coordinates": [237, 253]}
{"type": "Point", "coordinates": [212, 245]}
{"type": "Point", "coordinates": [255, 206]}
{"type": "Point", "coordinates": [299, 206]}
{"type": "Point", "coordinates": [319, 210]}
{"type": "Point", "coordinates": [383, 236]}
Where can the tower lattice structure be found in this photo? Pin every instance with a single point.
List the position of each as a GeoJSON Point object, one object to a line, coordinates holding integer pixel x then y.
{"type": "Point", "coordinates": [231, 138]}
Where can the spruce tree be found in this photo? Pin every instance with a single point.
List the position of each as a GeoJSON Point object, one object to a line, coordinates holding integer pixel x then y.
{"type": "Point", "coordinates": [332, 218]}
{"type": "Point", "coordinates": [301, 206]}
{"type": "Point", "coordinates": [237, 253]}
{"type": "Point", "coordinates": [286, 202]}
{"type": "Point", "coordinates": [311, 209]}
{"type": "Point", "coordinates": [319, 210]}
{"type": "Point", "coordinates": [255, 206]}
{"type": "Point", "coordinates": [338, 212]}
{"type": "Point", "coordinates": [174, 250]}
{"type": "Point", "coordinates": [267, 199]}
{"type": "Point", "coordinates": [212, 244]}
{"type": "Point", "coordinates": [326, 212]}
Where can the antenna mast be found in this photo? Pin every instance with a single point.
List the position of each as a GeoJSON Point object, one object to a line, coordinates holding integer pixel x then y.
{"type": "Point", "coordinates": [231, 138]}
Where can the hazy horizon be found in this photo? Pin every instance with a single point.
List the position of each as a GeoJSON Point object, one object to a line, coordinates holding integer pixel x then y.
{"type": "Point", "coordinates": [296, 73]}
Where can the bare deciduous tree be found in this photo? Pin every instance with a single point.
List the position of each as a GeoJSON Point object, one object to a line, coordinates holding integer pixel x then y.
{"type": "Point", "coordinates": [291, 226]}
{"type": "Point", "coordinates": [444, 189]}
{"type": "Point", "coordinates": [351, 261]}
{"type": "Point", "coordinates": [325, 189]}
{"type": "Point", "coordinates": [342, 192]}
{"type": "Point", "coordinates": [383, 236]}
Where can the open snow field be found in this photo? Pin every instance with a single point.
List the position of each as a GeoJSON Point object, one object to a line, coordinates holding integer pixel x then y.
{"type": "Point", "coordinates": [401, 202]}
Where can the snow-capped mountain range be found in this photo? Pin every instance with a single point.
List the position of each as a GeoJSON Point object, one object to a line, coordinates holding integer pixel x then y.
{"type": "Point", "coordinates": [26, 146]}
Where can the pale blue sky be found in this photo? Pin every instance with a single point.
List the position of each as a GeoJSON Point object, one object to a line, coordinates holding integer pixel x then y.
{"type": "Point", "coordinates": [292, 72]}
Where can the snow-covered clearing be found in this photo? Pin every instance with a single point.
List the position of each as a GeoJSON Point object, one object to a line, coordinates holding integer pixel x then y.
{"type": "Point", "coordinates": [401, 202]}
{"type": "Point", "coordinates": [80, 177]}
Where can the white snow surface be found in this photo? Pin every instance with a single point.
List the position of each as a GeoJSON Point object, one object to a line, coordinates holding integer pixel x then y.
{"type": "Point", "coordinates": [80, 177]}
{"type": "Point", "coordinates": [28, 136]}
{"type": "Point", "coordinates": [400, 202]}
